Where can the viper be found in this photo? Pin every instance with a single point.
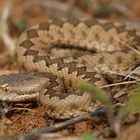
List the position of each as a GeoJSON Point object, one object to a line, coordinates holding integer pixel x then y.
{"type": "Point", "coordinates": [58, 54]}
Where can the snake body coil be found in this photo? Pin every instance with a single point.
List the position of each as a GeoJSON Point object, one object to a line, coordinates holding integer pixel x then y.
{"type": "Point", "coordinates": [100, 39]}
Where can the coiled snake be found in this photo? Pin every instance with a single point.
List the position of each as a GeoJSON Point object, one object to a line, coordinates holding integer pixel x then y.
{"type": "Point", "coordinates": [95, 46]}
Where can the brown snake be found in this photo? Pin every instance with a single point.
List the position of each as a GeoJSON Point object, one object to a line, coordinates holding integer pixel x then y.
{"type": "Point", "coordinates": [96, 46]}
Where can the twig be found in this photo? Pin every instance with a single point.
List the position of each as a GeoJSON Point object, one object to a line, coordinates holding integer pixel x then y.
{"type": "Point", "coordinates": [132, 72]}
{"type": "Point", "coordinates": [18, 108]}
{"type": "Point", "coordinates": [126, 75]}
{"type": "Point", "coordinates": [63, 125]}
{"type": "Point", "coordinates": [8, 41]}
{"type": "Point", "coordinates": [120, 83]}
{"type": "Point", "coordinates": [128, 46]}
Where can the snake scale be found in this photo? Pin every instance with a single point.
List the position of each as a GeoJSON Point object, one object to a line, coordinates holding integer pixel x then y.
{"type": "Point", "coordinates": [96, 46]}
